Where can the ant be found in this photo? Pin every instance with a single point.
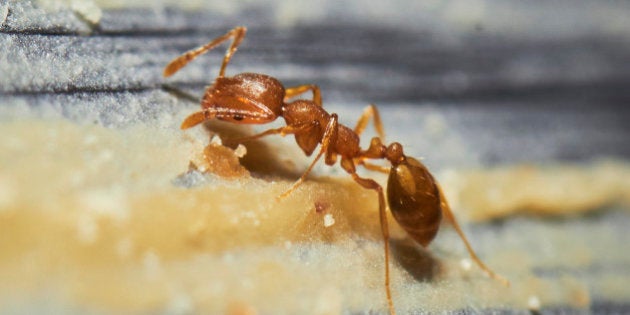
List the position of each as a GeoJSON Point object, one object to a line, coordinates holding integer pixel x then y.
{"type": "Point", "coordinates": [414, 197]}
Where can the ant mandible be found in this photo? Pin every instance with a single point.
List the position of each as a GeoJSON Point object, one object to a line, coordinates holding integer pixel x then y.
{"type": "Point", "coordinates": [414, 197]}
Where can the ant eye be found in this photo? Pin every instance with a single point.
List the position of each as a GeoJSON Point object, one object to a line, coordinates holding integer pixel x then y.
{"type": "Point", "coordinates": [237, 117]}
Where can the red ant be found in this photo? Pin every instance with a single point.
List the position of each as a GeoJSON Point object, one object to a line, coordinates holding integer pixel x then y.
{"type": "Point", "coordinates": [414, 197]}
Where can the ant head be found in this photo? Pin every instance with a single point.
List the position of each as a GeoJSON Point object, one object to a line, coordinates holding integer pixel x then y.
{"type": "Point", "coordinates": [394, 153]}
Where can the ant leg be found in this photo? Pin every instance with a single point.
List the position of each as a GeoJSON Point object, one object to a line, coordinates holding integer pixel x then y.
{"type": "Point", "coordinates": [329, 134]}
{"type": "Point", "coordinates": [367, 183]}
{"type": "Point", "coordinates": [374, 167]}
{"type": "Point", "coordinates": [238, 33]}
{"type": "Point", "coordinates": [448, 214]}
{"type": "Point", "coordinates": [282, 131]}
{"type": "Point", "coordinates": [300, 89]}
{"type": "Point", "coordinates": [197, 118]}
{"type": "Point", "coordinates": [370, 112]}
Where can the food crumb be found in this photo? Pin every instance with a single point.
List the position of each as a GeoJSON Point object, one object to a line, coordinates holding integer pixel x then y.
{"type": "Point", "coordinates": [466, 264]}
{"type": "Point", "coordinates": [533, 302]}
{"type": "Point", "coordinates": [328, 220]}
{"type": "Point", "coordinates": [216, 140]}
{"type": "Point", "coordinates": [240, 151]}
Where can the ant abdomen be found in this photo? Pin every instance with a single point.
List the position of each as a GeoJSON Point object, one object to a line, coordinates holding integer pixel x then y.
{"type": "Point", "coordinates": [414, 200]}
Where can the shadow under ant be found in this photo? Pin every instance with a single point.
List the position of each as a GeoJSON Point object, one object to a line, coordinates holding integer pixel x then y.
{"type": "Point", "coordinates": [261, 159]}
{"type": "Point", "coordinates": [418, 262]}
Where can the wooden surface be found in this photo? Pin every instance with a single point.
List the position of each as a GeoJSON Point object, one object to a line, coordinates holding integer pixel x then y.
{"type": "Point", "coordinates": [512, 97]}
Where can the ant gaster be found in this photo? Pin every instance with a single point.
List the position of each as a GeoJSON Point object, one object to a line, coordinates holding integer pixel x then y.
{"type": "Point", "coordinates": [414, 197]}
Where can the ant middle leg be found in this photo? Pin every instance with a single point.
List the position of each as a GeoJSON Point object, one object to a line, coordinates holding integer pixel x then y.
{"type": "Point", "coordinates": [300, 89]}
{"type": "Point", "coordinates": [237, 33]}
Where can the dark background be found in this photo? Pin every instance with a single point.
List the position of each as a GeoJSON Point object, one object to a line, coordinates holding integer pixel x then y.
{"type": "Point", "coordinates": [537, 81]}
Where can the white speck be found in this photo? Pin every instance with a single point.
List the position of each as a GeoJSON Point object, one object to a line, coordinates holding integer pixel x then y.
{"type": "Point", "coordinates": [87, 228]}
{"type": "Point", "coordinates": [104, 156]}
{"type": "Point", "coordinates": [466, 264]}
{"type": "Point", "coordinates": [329, 301]}
{"type": "Point", "coordinates": [109, 203]}
{"type": "Point", "coordinates": [97, 159]}
{"type": "Point", "coordinates": [251, 216]}
{"type": "Point", "coordinates": [8, 194]}
{"type": "Point", "coordinates": [228, 258]}
{"type": "Point", "coordinates": [152, 265]}
{"type": "Point", "coordinates": [180, 304]}
{"type": "Point", "coordinates": [533, 302]}
{"type": "Point", "coordinates": [240, 151]}
{"type": "Point", "coordinates": [216, 140]}
{"type": "Point", "coordinates": [328, 220]}
{"type": "Point", "coordinates": [90, 139]}
{"type": "Point", "coordinates": [124, 248]}
{"type": "Point", "coordinates": [288, 245]}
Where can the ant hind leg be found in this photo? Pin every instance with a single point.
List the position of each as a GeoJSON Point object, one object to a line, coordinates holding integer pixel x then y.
{"type": "Point", "coordinates": [448, 214]}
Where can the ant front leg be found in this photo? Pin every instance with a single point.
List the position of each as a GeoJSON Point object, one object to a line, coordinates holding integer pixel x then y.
{"type": "Point", "coordinates": [238, 33]}
{"type": "Point", "coordinates": [300, 89]}
{"type": "Point", "coordinates": [367, 183]}
{"type": "Point", "coordinates": [330, 134]}
{"type": "Point", "coordinates": [197, 118]}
